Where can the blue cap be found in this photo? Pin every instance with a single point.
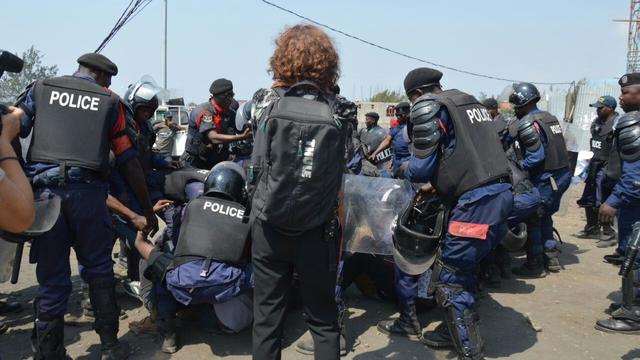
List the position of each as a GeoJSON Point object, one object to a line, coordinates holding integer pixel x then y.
{"type": "Point", "coordinates": [606, 100]}
{"type": "Point", "coordinates": [168, 114]}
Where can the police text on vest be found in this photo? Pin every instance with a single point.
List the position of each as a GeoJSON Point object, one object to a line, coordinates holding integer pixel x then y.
{"type": "Point", "coordinates": [223, 209]}
{"type": "Point", "coordinates": [75, 101]}
{"type": "Point", "coordinates": [478, 115]}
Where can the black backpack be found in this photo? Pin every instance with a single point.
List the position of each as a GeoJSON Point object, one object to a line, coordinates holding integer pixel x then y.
{"type": "Point", "coordinates": [299, 148]}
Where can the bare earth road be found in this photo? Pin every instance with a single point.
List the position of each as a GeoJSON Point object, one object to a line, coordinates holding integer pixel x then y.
{"type": "Point", "coordinates": [562, 306]}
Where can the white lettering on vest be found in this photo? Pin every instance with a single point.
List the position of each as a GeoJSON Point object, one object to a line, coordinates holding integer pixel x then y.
{"type": "Point", "coordinates": [556, 129]}
{"type": "Point", "coordinates": [596, 144]}
{"type": "Point", "coordinates": [223, 209]}
{"type": "Point", "coordinates": [478, 115]}
{"type": "Point", "coordinates": [307, 159]}
{"type": "Point", "coordinates": [75, 101]}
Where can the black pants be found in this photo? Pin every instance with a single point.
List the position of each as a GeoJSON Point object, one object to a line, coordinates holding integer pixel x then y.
{"type": "Point", "coordinates": [274, 257]}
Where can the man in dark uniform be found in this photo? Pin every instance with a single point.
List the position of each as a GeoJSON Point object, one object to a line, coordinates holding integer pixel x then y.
{"type": "Point", "coordinates": [397, 142]}
{"type": "Point", "coordinates": [601, 138]}
{"type": "Point", "coordinates": [369, 139]}
{"type": "Point", "coordinates": [209, 123]}
{"type": "Point", "coordinates": [543, 153]}
{"type": "Point", "coordinates": [74, 166]}
{"type": "Point", "coordinates": [624, 204]}
{"type": "Point", "coordinates": [210, 267]}
{"type": "Point", "coordinates": [456, 149]}
{"type": "Point", "coordinates": [623, 201]}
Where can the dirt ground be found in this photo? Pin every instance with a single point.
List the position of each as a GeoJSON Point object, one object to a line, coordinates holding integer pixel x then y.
{"type": "Point", "coordinates": [563, 307]}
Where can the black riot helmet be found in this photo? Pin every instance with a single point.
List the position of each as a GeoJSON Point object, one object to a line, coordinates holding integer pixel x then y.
{"type": "Point", "coordinates": [523, 93]}
{"type": "Point", "coordinates": [515, 238]}
{"type": "Point", "coordinates": [226, 180]}
{"type": "Point", "coordinates": [417, 234]}
{"type": "Point", "coordinates": [142, 94]}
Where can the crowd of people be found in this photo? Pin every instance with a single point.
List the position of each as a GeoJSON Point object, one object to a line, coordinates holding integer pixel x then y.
{"type": "Point", "coordinates": [252, 207]}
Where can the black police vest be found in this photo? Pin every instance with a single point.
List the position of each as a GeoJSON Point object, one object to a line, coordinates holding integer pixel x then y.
{"type": "Point", "coordinates": [477, 157]}
{"type": "Point", "coordinates": [176, 181]}
{"type": "Point", "coordinates": [555, 151]}
{"type": "Point", "coordinates": [213, 229]}
{"type": "Point", "coordinates": [601, 138]}
{"type": "Point", "coordinates": [372, 138]}
{"type": "Point", "coordinates": [72, 123]}
{"type": "Point", "coordinates": [209, 154]}
{"type": "Point", "coordinates": [613, 168]}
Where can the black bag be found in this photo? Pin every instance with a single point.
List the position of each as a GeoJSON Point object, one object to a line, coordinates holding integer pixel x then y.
{"type": "Point", "coordinates": [299, 149]}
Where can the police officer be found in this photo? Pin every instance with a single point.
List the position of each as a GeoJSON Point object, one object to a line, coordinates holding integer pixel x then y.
{"type": "Point", "coordinates": [74, 165]}
{"type": "Point", "coordinates": [165, 135]}
{"type": "Point", "coordinates": [624, 203]}
{"type": "Point", "coordinates": [543, 154]}
{"type": "Point", "coordinates": [208, 135]}
{"type": "Point", "coordinates": [208, 267]}
{"type": "Point", "coordinates": [241, 150]}
{"type": "Point", "coordinates": [623, 169]}
{"type": "Point", "coordinates": [601, 138]}
{"type": "Point", "coordinates": [369, 139]}
{"type": "Point", "coordinates": [455, 148]}
{"type": "Point", "coordinates": [397, 142]}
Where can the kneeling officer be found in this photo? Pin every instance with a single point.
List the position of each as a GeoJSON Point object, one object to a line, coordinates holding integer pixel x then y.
{"type": "Point", "coordinates": [210, 263]}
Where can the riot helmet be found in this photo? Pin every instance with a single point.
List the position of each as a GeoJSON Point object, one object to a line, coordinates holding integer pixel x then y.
{"type": "Point", "coordinates": [142, 93]}
{"type": "Point", "coordinates": [417, 234]}
{"type": "Point", "coordinates": [523, 93]}
{"type": "Point", "coordinates": [226, 180]}
{"type": "Point", "coordinates": [515, 238]}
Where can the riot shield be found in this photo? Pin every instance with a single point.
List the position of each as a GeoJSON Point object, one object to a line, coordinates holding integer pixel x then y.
{"type": "Point", "coordinates": [370, 205]}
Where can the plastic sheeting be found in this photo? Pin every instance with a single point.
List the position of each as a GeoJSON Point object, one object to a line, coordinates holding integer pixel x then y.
{"type": "Point", "coordinates": [370, 206]}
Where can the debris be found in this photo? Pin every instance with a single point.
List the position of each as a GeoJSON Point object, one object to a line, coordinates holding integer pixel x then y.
{"type": "Point", "coordinates": [535, 327]}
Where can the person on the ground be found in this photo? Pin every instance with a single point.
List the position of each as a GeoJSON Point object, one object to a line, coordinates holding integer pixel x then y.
{"type": "Point", "coordinates": [74, 166]}
{"type": "Point", "coordinates": [601, 138]}
{"type": "Point", "coordinates": [166, 135]}
{"type": "Point", "coordinates": [304, 153]}
{"type": "Point", "coordinates": [456, 151]}
{"type": "Point", "coordinates": [207, 267]}
{"type": "Point", "coordinates": [542, 151]}
{"type": "Point", "coordinates": [208, 136]}
{"type": "Point", "coordinates": [397, 142]}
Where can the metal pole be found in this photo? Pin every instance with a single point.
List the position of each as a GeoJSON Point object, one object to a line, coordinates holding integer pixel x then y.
{"type": "Point", "coordinates": [165, 44]}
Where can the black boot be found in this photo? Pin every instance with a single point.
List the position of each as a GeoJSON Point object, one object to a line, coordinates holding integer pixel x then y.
{"type": "Point", "coordinates": [305, 346]}
{"type": "Point", "coordinates": [552, 260]}
{"type": "Point", "coordinates": [168, 331]}
{"type": "Point", "coordinates": [532, 268]}
{"type": "Point", "coordinates": [439, 338]}
{"type": "Point", "coordinates": [47, 339]}
{"type": "Point", "coordinates": [406, 325]}
{"type": "Point", "coordinates": [592, 228]}
{"type": "Point", "coordinates": [105, 307]}
{"type": "Point", "coordinates": [622, 321]}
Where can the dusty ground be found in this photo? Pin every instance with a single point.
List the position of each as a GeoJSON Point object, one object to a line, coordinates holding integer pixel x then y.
{"type": "Point", "coordinates": [564, 305]}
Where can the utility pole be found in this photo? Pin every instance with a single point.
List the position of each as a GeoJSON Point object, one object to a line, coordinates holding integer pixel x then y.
{"type": "Point", "coordinates": [633, 40]}
{"type": "Point", "coordinates": [165, 44]}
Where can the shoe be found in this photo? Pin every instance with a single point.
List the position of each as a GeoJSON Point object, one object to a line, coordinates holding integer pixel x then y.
{"type": "Point", "coordinates": [552, 260]}
{"type": "Point", "coordinates": [168, 331]}
{"type": "Point", "coordinates": [305, 346]}
{"type": "Point", "coordinates": [606, 243]}
{"type": "Point", "coordinates": [117, 351]}
{"type": "Point", "coordinates": [439, 338]}
{"type": "Point", "coordinates": [532, 269]}
{"type": "Point", "coordinates": [590, 232]}
{"type": "Point", "coordinates": [407, 325]}
{"type": "Point", "coordinates": [618, 326]}
{"type": "Point", "coordinates": [616, 258]}
{"type": "Point", "coordinates": [148, 325]}
{"type": "Point", "coordinates": [9, 307]}
{"type": "Point", "coordinates": [132, 288]}
{"type": "Point", "coordinates": [615, 306]}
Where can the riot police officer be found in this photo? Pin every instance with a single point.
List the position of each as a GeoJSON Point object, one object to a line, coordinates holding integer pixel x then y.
{"type": "Point", "coordinates": [601, 138]}
{"type": "Point", "coordinates": [241, 150]}
{"type": "Point", "coordinates": [396, 141]}
{"type": "Point", "coordinates": [208, 134]}
{"type": "Point", "coordinates": [543, 153]}
{"type": "Point", "coordinates": [615, 190]}
{"type": "Point", "coordinates": [208, 266]}
{"type": "Point", "coordinates": [624, 203]}
{"type": "Point", "coordinates": [369, 140]}
{"type": "Point", "coordinates": [74, 165]}
{"type": "Point", "coordinates": [456, 149]}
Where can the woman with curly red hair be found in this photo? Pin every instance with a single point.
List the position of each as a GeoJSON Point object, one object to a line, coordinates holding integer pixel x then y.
{"type": "Point", "coordinates": [303, 53]}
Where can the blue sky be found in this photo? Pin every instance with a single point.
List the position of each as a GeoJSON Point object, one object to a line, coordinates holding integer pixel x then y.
{"type": "Point", "coordinates": [544, 40]}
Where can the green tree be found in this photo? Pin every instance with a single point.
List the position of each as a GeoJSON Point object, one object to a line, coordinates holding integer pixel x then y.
{"type": "Point", "coordinates": [388, 96]}
{"type": "Point", "coordinates": [11, 84]}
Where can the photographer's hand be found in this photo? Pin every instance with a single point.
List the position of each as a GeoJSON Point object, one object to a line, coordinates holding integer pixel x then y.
{"type": "Point", "coordinates": [11, 123]}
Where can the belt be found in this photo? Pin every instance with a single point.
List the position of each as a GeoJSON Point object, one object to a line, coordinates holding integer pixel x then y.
{"type": "Point", "coordinates": [73, 175]}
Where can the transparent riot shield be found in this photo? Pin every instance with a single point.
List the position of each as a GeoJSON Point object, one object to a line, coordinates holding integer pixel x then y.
{"type": "Point", "coordinates": [370, 206]}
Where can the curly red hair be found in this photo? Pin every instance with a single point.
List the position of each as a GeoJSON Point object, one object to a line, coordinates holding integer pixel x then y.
{"type": "Point", "coordinates": [304, 52]}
